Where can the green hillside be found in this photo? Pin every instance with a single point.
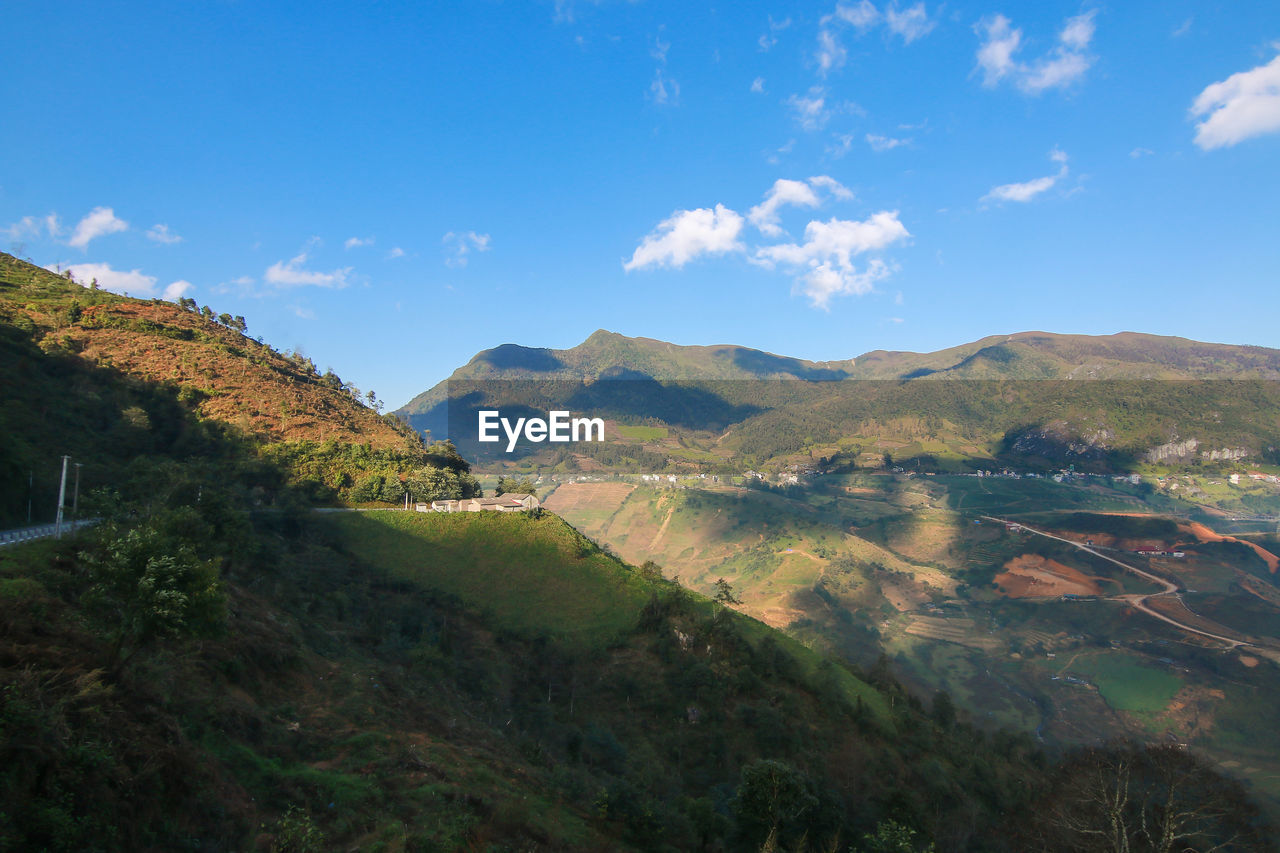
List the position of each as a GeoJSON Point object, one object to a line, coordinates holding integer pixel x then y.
{"type": "Point", "coordinates": [216, 665]}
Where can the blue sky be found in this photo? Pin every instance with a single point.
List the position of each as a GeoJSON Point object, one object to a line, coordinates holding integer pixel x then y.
{"type": "Point", "coordinates": [391, 187]}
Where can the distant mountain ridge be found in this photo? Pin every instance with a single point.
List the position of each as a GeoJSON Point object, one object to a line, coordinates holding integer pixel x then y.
{"type": "Point", "coordinates": [1025, 355]}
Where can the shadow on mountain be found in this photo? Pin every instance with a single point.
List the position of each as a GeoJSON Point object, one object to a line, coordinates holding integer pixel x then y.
{"type": "Point", "coordinates": [679, 404]}
{"type": "Point", "coordinates": [516, 357]}
{"type": "Point", "coordinates": [764, 364]}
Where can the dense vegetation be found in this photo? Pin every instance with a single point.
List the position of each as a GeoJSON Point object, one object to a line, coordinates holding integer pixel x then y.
{"type": "Point", "coordinates": [214, 665]}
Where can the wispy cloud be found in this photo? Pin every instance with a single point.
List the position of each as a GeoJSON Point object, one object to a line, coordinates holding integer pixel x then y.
{"type": "Point", "coordinates": [396, 252]}
{"type": "Point", "coordinates": [1027, 190]}
{"type": "Point", "coordinates": [686, 235]}
{"type": "Point", "coordinates": [357, 242]}
{"type": "Point", "coordinates": [910, 24]}
{"type": "Point", "coordinates": [460, 244]}
{"type": "Point", "coordinates": [34, 227]}
{"type": "Point", "coordinates": [757, 86]}
{"type": "Point", "coordinates": [885, 143]}
{"type": "Point", "coordinates": [161, 234]}
{"type": "Point", "coordinates": [768, 40]}
{"type": "Point", "coordinates": [292, 274]}
{"type": "Point", "coordinates": [98, 223]}
{"type": "Point", "coordinates": [663, 91]}
{"type": "Point", "coordinates": [810, 110]}
{"type": "Point", "coordinates": [1245, 105]}
{"type": "Point", "coordinates": [1061, 66]}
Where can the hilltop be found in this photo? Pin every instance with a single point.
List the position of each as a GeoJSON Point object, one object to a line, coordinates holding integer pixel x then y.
{"type": "Point", "coordinates": [1030, 399]}
{"type": "Point", "coordinates": [103, 378]}
{"type": "Point", "coordinates": [231, 377]}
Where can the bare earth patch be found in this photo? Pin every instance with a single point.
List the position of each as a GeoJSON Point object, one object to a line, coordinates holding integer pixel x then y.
{"type": "Point", "coordinates": [1034, 576]}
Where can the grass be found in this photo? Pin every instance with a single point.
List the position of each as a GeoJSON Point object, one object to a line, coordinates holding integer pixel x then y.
{"type": "Point", "coordinates": [642, 433]}
{"type": "Point", "coordinates": [534, 576]}
{"type": "Point", "coordinates": [1128, 685]}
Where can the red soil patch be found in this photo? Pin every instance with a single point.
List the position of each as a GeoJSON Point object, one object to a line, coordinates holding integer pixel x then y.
{"type": "Point", "coordinates": [1033, 576]}
{"type": "Point", "coordinates": [1204, 534]}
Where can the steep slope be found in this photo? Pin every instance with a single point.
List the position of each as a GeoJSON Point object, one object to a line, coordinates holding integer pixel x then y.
{"type": "Point", "coordinates": [93, 375]}
{"type": "Point", "coordinates": [233, 378]}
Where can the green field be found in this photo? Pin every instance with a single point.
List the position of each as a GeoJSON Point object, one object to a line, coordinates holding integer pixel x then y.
{"type": "Point", "coordinates": [533, 575]}
{"type": "Point", "coordinates": [642, 433]}
{"type": "Point", "coordinates": [1128, 685]}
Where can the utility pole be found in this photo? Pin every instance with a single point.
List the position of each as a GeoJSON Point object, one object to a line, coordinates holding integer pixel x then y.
{"type": "Point", "coordinates": [75, 500]}
{"type": "Point", "coordinates": [31, 486]}
{"type": "Point", "coordinates": [62, 496]}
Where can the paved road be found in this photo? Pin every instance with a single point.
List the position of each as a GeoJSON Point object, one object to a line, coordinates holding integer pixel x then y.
{"type": "Point", "coordinates": [1138, 602]}
{"type": "Point", "coordinates": [40, 531]}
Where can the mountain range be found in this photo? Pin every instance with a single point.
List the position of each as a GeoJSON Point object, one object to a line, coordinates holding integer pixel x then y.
{"type": "Point", "coordinates": [1058, 398]}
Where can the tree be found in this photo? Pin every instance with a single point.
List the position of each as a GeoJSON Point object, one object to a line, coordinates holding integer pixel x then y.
{"type": "Point", "coordinates": [225, 319]}
{"type": "Point", "coordinates": [1160, 799]}
{"type": "Point", "coordinates": [773, 797]}
{"type": "Point", "coordinates": [724, 593]}
{"type": "Point", "coordinates": [150, 587]}
{"type": "Point", "coordinates": [510, 485]}
{"type": "Point", "coordinates": [238, 323]}
{"type": "Point", "coordinates": [892, 837]}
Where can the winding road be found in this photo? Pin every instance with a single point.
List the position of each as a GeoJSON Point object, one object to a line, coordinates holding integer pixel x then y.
{"type": "Point", "coordinates": [1138, 602]}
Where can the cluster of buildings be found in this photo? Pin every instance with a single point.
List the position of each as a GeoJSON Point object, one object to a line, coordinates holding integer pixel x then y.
{"type": "Point", "coordinates": [510, 502]}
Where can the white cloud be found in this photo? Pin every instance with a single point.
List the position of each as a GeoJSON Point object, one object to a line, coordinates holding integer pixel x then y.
{"type": "Point", "coordinates": [461, 244]}
{"type": "Point", "coordinates": [831, 54]}
{"type": "Point", "coordinates": [1027, 190]}
{"type": "Point", "coordinates": [862, 15]}
{"type": "Point", "coordinates": [357, 242]}
{"type": "Point", "coordinates": [832, 186]}
{"type": "Point", "coordinates": [396, 252]}
{"type": "Point", "coordinates": [664, 90]}
{"type": "Point", "coordinates": [291, 274]}
{"type": "Point", "coordinates": [910, 24]}
{"type": "Point", "coordinates": [685, 235]}
{"type": "Point", "coordinates": [885, 143]}
{"type": "Point", "coordinates": [1064, 64]}
{"type": "Point", "coordinates": [100, 222]}
{"type": "Point", "coordinates": [824, 265]}
{"type": "Point", "coordinates": [764, 216]}
{"type": "Point", "coordinates": [1245, 105]}
{"type": "Point", "coordinates": [811, 111]}
{"type": "Point", "coordinates": [34, 227]}
{"type": "Point", "coordinates": [768, 40]}
{"type": "Point", "coordinates": [243, 280]}
{"type": "Point", "coordinates": [757, 86]}
{"type": "Point", "coordinates": [1183, 29]}
{"type": "Point", "coordinates": [175, 290]}
{"type": "Point", "coordinates": [133, 282]}
{"type": "Point", "coordinates": [995, 55]}
{"type": "Point", "coordinates": [161, 234]}
{"type": "Point", "coordinates": [1141, 152]}
{"type": "Point", "coordinates": [842, 145]}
